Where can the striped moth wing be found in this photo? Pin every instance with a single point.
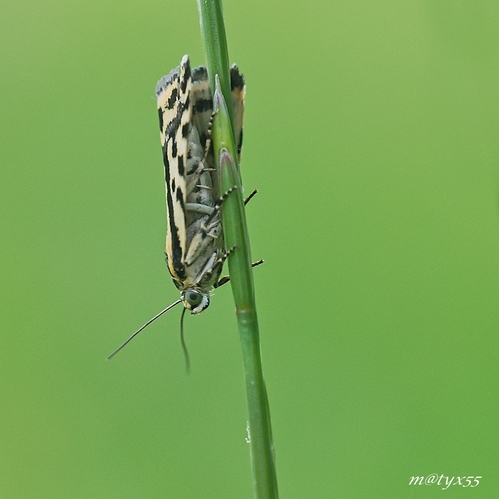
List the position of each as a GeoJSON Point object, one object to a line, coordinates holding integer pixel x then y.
{"type": "Point", "coordinates": [194, 242]}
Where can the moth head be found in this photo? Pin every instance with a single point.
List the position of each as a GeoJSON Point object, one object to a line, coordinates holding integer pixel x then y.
{"type": "Point", "coordinates": [195, 301]}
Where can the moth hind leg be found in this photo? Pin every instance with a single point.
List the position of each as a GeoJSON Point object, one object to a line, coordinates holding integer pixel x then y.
{"type": "Point", "coordinates": [225, 195]}
{"type": "Point", "coordinates": [250, 197]}
{"type": "Point", "coordinates": [226, 279]}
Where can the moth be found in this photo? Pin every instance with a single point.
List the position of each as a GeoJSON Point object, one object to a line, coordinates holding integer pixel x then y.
{"type": "Point", "coordinates": [195, 251]}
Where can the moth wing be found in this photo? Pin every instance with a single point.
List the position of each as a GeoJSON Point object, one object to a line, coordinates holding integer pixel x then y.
{"type": "Point", "coordinates": [238, 89]}
{"type": "Point", "coordinates": [203, 103]}
{"type": "Point", "coordinates": [173, 94]}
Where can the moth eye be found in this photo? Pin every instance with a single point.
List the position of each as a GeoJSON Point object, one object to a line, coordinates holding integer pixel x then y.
{"type": "Point", "coordinates": [193, 298]}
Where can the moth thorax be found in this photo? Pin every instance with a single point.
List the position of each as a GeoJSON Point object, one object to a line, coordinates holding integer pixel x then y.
{"type": "Point", "coordinates": [195, 300]}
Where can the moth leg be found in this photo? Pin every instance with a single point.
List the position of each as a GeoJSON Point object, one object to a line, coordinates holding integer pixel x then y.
{"type": "Point", "coordinates": [196, 176]}
{"type": "Point", "coordinates": [200, 186]}
{"type": "Point", "coordinates": [248, 199]}
{"type": "Point", "coordinates": [206, 235]}
{"type": "Point", "coordinates": [209, 134]}
{"type": "Point", "coordinates": [225, 195]}
{"type": "Point", "coordinates": [226, 279]}
{"type": "Point", "coordinates": [221, 259]}
{"type": "Point", "coordinates": [202, 209]}
{"type": "Point", "coordinates": [208, 229]}
{"type": "Point", "coordinates": [195, 153]}
{"type": "Point", "coordinates": [200, 206]}
{"type": "Point", "coordinates": [216, 209]}
{"type": "Point", "coordinates": [214, 268]}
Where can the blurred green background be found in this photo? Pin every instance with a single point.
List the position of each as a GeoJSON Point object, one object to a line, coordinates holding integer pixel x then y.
{"type": "Point", "coordinates": [371, 132]}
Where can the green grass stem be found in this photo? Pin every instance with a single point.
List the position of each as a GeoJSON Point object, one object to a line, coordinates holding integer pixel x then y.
{"type": "Point", "coordinates": [239, 261]}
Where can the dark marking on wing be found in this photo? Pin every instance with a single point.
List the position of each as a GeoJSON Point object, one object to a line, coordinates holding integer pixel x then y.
{"type": "Point", "coordinates": [237, 90]}
{"type": "Point", "coordinates": [173, 99]}
{"type": "Point", "coordinates": [199, 73]}
{"type": "Point", "coordinates": [193, 169]}
{"type": "Point", "coordinates": [185, 79]}
{"type": "Point", "coordinates": [177, 264]}
{"type": "Point", "coordinates": [167, 164]}
{"type": "Point", "coordinates": [160, 114]}
{"type": "Point", "coordinates": [180, 197]}
{"type": "Point", "coordinates": [174, 124]}
{"type": "Point", "coordinates": [239, 143]}
{"type": "Point", "coordinates": [236, 78]}
{"type": "Point", "coordinates": [202, 105]}
{"type": "Point", "coordinates": [181, 166]}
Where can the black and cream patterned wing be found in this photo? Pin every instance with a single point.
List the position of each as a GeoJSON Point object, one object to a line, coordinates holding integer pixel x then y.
{"type": "Point", "coordinates": [238, 90]}
{"type": "Point", "coordinates": [173, 94]}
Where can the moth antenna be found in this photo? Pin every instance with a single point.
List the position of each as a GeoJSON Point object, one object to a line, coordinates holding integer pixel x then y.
{"type": "Point", "coordinates": [143, 327]}
{"type": "Point", "coordinates": [184, 345]}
